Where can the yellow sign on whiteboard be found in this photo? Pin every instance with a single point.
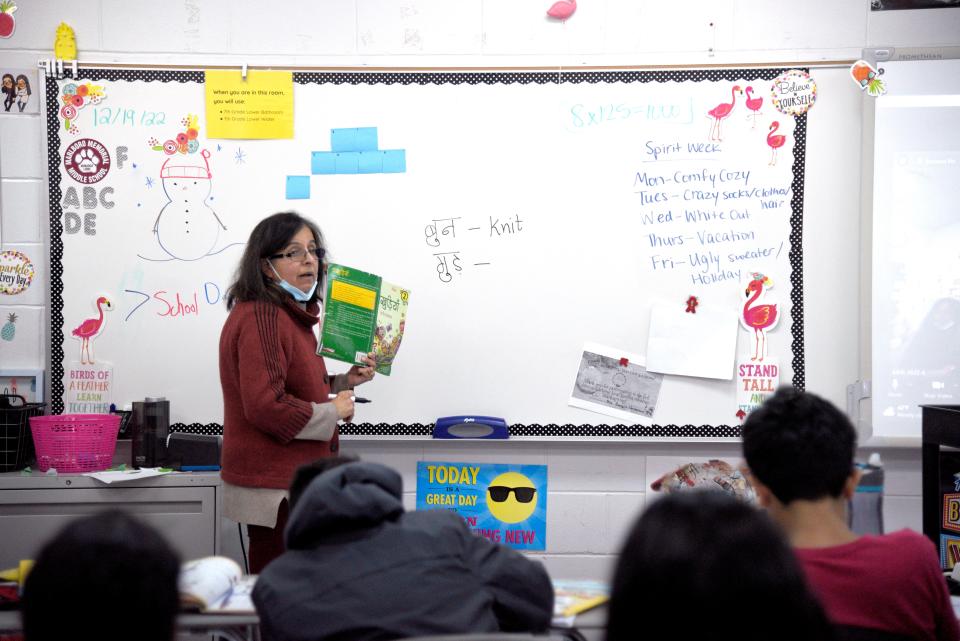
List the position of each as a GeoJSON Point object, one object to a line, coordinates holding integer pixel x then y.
{"type": "Point", "coordinates": [260, 106]}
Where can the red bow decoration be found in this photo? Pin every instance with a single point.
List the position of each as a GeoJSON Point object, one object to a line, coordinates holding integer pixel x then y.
{"type": "Point", "coordinates": [692, 303]}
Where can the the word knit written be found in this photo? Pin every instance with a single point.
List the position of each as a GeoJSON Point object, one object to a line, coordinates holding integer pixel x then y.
{"type": "Point", "coordinates": [707, 217]}
{"type": "Point", "coordinates": [441, 234]}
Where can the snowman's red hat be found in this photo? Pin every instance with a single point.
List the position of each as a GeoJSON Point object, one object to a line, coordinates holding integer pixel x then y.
{"type": "Point", "coordinates": [176, 170]}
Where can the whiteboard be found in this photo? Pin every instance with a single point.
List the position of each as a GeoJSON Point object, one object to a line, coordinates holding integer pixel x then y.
{"type": "Point", "coordinates": [916, 235]}
{"type": "Point", "coordinates": [572, 204]}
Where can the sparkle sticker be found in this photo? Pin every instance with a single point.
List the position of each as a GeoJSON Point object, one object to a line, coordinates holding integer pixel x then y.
{"type": "Point", "coordinates": [16, 272]}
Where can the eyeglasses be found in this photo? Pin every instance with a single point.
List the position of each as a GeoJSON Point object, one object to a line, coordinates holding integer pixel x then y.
{"type": "Point", "coordinates": [301, 254]}
{"type": "Point", "coordinates": [500, 493]}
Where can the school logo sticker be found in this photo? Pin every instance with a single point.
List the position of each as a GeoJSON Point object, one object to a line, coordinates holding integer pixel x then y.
{"type": "Point", "coordinates": [86, 161]}
{"type": "Point", "coordinates": [951, 512]}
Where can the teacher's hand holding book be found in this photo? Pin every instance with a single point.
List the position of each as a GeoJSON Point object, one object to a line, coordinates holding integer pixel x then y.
{"type": "Point", "coordinates": [358, 375]}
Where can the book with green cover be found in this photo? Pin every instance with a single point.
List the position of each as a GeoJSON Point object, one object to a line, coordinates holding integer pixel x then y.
{"type": "Point", "coordinates": [362, 313]}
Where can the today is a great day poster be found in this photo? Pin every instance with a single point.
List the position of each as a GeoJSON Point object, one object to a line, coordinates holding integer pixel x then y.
{"type": "Point", "coordinates": [504, 503]}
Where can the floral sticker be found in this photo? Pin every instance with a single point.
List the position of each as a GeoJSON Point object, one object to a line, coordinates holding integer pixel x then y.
{"type": "Point", "coordinates": [184, 142]}
{"type": "Point", "coordinates": [16, 272]}
{"type": "Point", "coordinates": [74, 98]}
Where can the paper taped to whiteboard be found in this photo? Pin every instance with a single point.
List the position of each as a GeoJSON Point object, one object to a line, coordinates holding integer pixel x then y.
{"type": "Point", "coordinates": [702, 344]}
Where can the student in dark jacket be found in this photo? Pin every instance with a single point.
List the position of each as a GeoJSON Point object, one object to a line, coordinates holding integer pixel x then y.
{"type": "Point", "coordinates": [357, 566]}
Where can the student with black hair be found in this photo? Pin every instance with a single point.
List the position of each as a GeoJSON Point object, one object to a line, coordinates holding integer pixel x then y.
{"type": "Point", "coordinates": [357, 566]}
{"type": "Point", "coordinates": [107, 577]}
{"type": "Point", "coordinates": [705, 565]}
{"type": "Point", "coordinates": [800, 451]}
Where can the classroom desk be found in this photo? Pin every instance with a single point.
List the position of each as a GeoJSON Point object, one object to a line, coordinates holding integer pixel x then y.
{"type": "Point", "coordinates": [244, 627]}
{"type": "Point", "coordinates": [185, 506]}
{"type": "Point", "coordinates": [234, 627]}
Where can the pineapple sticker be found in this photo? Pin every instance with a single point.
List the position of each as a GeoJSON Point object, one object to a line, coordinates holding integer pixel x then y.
{"type": "Point", "coordinates": [65, 42]}
{"type": "Point", "coordinates": [10, 328]}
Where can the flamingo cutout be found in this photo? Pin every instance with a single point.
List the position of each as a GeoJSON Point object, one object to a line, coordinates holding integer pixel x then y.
{"type": "Point", "coordinates": [759, 318]}
{"type": "Point", "coordinates": [89, 329]}
{"type": "Point", "coordinates": [775, 142]}
{"type": "Point", "coordinates": [753, 104]}
{"type": "Point", "coordinates": [721, 111]}
{"type": "Point", "coordinates": [562, 9]}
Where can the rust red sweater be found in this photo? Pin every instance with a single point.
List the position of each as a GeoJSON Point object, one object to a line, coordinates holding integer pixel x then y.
{"type": "Point", "coordinates": [270, 373]}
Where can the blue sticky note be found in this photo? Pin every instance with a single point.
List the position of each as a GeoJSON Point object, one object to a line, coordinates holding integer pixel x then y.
{"type": "Point", "coordinates": [366, 139]}
{"type": "Point", "coordinates": [343, 139]}
{"type": "Point", "coordinates": [323, 162]}
{"type": "Point", "coordinates": [395, 161]}
{"type": "Point", "coordinates": [348, 162]}
{"type": "Point", "coordinates": [371, 162]}
{"type": "Point", "coordinates": [298, 187]}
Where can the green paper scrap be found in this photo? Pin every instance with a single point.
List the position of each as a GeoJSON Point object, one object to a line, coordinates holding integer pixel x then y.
{"type": "Point", "coordinates": [26, 471]}
{"type": "Point", "coordinates": [363, 313]}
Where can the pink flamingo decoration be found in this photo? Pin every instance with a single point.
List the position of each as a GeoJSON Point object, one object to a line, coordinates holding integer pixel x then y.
{"type": "Point", "coordinates": [775, 142]}
{"type": "Point", "coordinates": [759, 318]}
{"type": "Point", "coordinates": [562, 9]}
{"type": "Point", "coordinates": [90, 328]}
{"type": "Point", "coordinates": [753, 104]}
{"type": "Point", "coordinates": [721, 111]}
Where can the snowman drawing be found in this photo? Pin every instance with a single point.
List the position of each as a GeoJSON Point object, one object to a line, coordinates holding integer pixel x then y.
{"type": "Point", "coordinates": [187, 228]}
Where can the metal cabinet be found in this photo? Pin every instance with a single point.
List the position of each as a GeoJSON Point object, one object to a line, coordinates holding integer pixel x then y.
{"type": "Point", "coordinates": [184, 507]}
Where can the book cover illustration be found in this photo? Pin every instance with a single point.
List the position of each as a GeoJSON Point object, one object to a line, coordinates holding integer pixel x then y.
{"type": "Point", "coordinates": [362, 314]}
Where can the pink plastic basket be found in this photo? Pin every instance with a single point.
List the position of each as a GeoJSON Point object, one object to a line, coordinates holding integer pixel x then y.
{"type": "Point", "coordinates": [75, 442]}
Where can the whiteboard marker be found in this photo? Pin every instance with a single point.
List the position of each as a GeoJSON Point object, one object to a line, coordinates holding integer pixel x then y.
{"type": "Point", "coordinates": [355, 399]}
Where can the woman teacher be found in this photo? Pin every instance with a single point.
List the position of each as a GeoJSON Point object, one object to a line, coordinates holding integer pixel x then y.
{"type": "Point", "coordinates": [278, 414]}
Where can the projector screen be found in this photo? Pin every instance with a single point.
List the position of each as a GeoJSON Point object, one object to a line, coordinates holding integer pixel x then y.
{"type": "Point", "coordinates": [916, 244]}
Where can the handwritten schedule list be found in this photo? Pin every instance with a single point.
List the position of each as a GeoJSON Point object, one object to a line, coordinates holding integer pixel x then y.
{"type": "Point", "coordinates": [705, 215]}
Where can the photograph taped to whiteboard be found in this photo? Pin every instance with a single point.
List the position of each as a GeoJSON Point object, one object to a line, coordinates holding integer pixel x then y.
{"type": "Point", "coordinates": [615, 383]}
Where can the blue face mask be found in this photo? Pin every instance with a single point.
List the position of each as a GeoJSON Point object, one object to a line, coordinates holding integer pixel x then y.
{"type": "Point", "coordinates": [298, 294]}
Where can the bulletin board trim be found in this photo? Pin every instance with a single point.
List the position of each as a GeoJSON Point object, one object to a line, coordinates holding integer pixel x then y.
{"type": "Point", "coordinates": [438, 77]}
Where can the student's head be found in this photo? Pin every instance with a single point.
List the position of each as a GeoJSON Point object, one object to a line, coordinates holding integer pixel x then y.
{"type": "Point", "coordinates": [799, 446]}
{"type": "Point", "coordinates": [706, 565]}
{"type": "Point", "coordinates": [306, 473]}
{"type": "Point", "coordinates": [107, 577]}
{"type": "Point", "coordinates": [265, 258]}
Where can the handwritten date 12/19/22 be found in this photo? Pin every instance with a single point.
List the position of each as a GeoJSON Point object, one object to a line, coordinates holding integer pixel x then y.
{"type": "Point", "coordinates": [107, 116]}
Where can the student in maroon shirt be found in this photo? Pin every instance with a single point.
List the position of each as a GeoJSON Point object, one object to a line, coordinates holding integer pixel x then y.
{"type": "Point", "coordinates": [277, 411]}
{"type": "Point", "coordinates": [800, 450]}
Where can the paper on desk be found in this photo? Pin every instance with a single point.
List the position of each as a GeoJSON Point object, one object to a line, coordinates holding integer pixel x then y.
{"type": "Point", "coordinates": [122, 476]}
{"type": "Point", "coordinates": [701, 344]}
